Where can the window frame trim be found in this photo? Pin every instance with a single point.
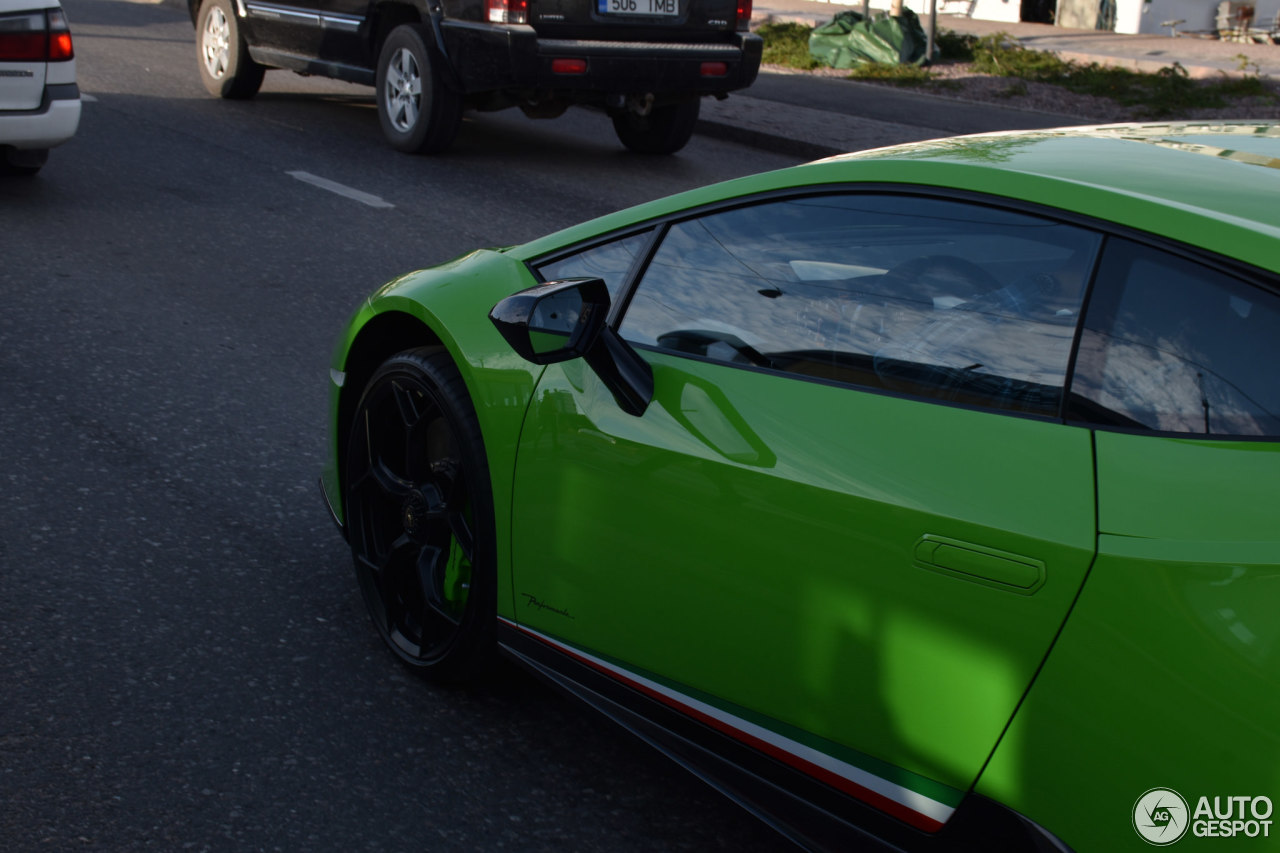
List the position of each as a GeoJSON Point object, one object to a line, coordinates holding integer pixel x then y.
{"type": "Point", "coordinates": [658, 226]}
{"type": "Point", "coordinates": [1268, 283]}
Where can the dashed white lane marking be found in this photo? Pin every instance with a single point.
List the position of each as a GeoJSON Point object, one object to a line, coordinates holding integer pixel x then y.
{"type": "Point", "coordinates": [340, 189]}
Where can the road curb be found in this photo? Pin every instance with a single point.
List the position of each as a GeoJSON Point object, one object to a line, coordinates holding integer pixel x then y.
{"type": "Point", "coordinates": [763, 140]}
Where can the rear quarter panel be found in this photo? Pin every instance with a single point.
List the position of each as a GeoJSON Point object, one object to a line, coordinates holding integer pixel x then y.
{"type": "Point", "coordinates": [1167, 674]}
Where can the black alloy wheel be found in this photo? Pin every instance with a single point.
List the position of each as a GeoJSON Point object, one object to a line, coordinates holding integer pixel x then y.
{"type": "Point", "coordinates": [420, 515]}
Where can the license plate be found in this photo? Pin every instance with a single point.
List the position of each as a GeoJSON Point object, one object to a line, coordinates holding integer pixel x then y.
{"type": "Point", "coordinates": [639, 7]}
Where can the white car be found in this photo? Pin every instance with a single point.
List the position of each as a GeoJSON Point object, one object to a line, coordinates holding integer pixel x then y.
{"type": "Point", "coordinates": [39, 99]}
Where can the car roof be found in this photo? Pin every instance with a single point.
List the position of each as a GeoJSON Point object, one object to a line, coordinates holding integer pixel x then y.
{"type": "Point", "coordinates": [1212, 185]}
{"type": "Point", "coordinates": [1232, 168]}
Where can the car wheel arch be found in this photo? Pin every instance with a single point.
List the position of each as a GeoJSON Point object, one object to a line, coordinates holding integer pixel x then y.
{"type": "Point", "coordinates": [382, 337]}
{"type": "Point", "coordinates": [394, 13]}
{"type": "Point", "coordinates": [386, 17]}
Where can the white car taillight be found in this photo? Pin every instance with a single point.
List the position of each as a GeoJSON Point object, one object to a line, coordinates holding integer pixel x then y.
{"type": "Point", "coordinates": [60, 49]}
{"type": "Point", "coordinates": [35, 37]}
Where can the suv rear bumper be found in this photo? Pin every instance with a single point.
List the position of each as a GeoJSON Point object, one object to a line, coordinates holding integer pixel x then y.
{"type": "Point", "coordinates": [490, 58]}
{"type": "Point", "coordinates": [52, 123]}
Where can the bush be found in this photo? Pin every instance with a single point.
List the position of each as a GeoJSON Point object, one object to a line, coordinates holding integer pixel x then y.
{"type": "Point", "coordinates": [788, 45]}
{"type": "Point", "coordinates": [1169, 91]}
{"type": "Point", "coordinates": [901, 75]}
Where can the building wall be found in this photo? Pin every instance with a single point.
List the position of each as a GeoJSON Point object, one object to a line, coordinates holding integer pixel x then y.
{"type": "Point", "coordinates": [1131, 16]}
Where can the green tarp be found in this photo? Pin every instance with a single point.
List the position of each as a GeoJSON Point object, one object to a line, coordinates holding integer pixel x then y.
{"type": "Point", "coordinates": [850, 40]}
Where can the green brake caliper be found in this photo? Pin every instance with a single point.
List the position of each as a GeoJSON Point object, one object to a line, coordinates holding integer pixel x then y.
{"type": "Point", "coordinates": [457, 577]}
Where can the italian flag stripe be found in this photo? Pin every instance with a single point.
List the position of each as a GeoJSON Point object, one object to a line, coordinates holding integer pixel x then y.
{"type": "Point", "coordinates": [917, 809]}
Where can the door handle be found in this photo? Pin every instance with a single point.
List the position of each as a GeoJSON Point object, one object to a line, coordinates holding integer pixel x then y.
{"type": "Point", "coordinates": [980, 564]}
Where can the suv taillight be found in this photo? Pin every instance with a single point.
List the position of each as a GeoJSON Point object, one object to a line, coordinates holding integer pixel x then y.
{"type": "Point", "coordinates": [35, 37]}
{"type": "Point", "coordinates": [744, 15]}
{"type": "Point", "coordinates": [507, 11]}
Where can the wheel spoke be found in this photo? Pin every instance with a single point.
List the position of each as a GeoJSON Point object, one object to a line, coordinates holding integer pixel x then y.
{"type": "Point", "coordinates": [379, 569]}
{"type": "Point", "coordinates": [461, 530]}
{"type": "Point", "coordinates": [388, 481]}
{"type": "Point", "coordinates": [408, 68]}
{"type": "Point", "coordinates": [378, 469]}
{"type": "Point", "coordinates": [418, 435]}
{"type": "Point", "coordinates": [410, 403]}
{"type": "Point", "coordinates": [431, 563]}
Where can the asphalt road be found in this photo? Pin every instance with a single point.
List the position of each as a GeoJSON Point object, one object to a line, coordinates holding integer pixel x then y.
{"type": "Point", "coordinates": [185, 663]}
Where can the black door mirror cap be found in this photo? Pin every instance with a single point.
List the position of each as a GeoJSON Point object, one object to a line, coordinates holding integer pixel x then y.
{"type": "Point", "coordinates": [563, 320]}
{"type": "Point", "coordinates": [533, 320]}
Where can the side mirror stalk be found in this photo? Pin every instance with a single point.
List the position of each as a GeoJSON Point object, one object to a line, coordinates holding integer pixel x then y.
{"type": "Point", "coordinates": [623, 371]}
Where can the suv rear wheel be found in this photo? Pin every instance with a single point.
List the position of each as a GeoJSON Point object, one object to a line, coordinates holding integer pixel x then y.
{"type": "Point", "coordinates": [419, 111]}
{"type": "Point", "coordinates": [664, 130]}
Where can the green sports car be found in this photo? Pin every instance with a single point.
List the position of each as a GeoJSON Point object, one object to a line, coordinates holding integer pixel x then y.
{"type": "Point", "coordinates": [927, 497]}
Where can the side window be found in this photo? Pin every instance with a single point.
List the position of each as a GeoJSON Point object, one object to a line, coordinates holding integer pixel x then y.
{"type": "Point", "coordinates": [937, 298]}
{"type": "Point", "coordinates": [1175, 346]}
{"type": "Point", "coordinates": [609, 261]}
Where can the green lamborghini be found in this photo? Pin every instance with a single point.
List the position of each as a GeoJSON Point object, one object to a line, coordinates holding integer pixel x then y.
{"type": "Point", "coordinates": [923, 498]}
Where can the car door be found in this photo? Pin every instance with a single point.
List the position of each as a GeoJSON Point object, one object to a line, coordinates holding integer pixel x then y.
{"type": "Point", "coordinates": [310, 29]}
{"type": "Point", "coordinates": [850, 522]}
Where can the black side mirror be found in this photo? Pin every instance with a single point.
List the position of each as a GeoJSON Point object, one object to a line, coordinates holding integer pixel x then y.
{"type": "Point", "coordinates": [553, 322]}
{"type": "Point", "coordinates": [563, 320]}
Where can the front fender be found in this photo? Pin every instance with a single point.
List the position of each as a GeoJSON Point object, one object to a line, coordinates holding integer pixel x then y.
{"type": "Point", "coordinates": [446, 305]}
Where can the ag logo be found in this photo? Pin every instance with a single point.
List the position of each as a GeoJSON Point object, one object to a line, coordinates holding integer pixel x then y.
{"type": "Point", "coordinates": [1160, 816]}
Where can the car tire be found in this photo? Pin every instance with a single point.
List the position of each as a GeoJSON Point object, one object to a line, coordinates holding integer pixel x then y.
{"type": "Point", "coordinates": [665, 130]}
{"type": "Point", "coordinates": [23, 163]}
{"type": "Point", "coordinates": [419, 515]}
{"type": "Point", "coordinates": [419, 111]}
{"type": "Point", "coordinates": [226, 68]}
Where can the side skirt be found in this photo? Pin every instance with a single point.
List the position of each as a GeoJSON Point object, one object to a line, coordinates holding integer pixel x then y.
{"type": "Point", "coordinates": [764, 799]}
{"type": "Point", "coordinates": [307, 65]}
{"type": "Point", "coordinates": [811, 813]}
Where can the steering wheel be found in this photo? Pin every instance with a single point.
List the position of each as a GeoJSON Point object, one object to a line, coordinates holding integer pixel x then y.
{"type": "Point", "coordinates": [949, 274]}
{"type": "Point", "coordinates": [700, 341]}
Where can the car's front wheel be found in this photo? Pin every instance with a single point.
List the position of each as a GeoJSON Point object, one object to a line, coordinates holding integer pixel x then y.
{"type": "Point", "coordinates": [665, 129]}
{"type": "Point", "coordinates": [226, 68]}
{"type": "Point", "coordinates": [420, 515]}
{"type": "Point", "coordinates": [419, 112]}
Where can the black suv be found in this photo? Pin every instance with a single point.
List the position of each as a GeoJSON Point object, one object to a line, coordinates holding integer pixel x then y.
{"type": "Point", "coordinates": [645, 62]}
